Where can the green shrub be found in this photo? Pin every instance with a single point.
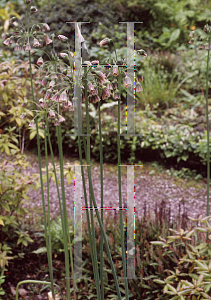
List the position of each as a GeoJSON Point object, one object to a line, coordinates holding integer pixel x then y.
{"type": "Point", "coordinates": [192, 279]}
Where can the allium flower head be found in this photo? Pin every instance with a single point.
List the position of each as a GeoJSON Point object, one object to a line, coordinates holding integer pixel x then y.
{"type": "Point", "coordinates": [105, 93]}
{"type": "Point", "coordinates": [117, 94]}
{"type": "Point", "coordinates": [47, 39]}
{"type": "Point", "coordinates": [28, 47]}
{"type": "Point", "coordinates": [139, 88]}
{"type": "Point", "coordinates": [40, 61]}
{"type": "Point", "coordinates": [104, 42]}
{"type": "Point", "coordinates": [115, 70]}
{"type": "Point", "coordinates": [87, 63]}
{"type": "Point", "coordinates": [46, 26]}
{"type": "Point", "coordinates": [52, 114]}
{"type": "Point", "coordinates": [63, 55]}
{"type": "Point", "coordinates": [36, 43]}
{"type": "Point", "coordinates": [7, 42]}
{"type": "Point", "coordinates": [127, 82]}
{"type": "Point", "coordinates": [63, 97]}
{"type": "Point", "coordinates": [61, 119]}
{"type": "Point", "coordinates": [62, 38]}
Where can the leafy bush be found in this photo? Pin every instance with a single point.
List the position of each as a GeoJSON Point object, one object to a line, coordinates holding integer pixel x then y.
{"type": "Point", "coordinates": [14, 186]}
{"type": "Point", "coordinates": [192, 279]}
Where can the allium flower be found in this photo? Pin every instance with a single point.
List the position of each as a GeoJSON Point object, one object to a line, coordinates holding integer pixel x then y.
{"type": "Point", "coordinates": [28, 47]}
{"type": "Point", "coordinates": [91, 87]}
{"type": "Point", "coordinates": [191, 41]}
{"type": "Point", "coordinates": [61, 119]}
{"type": "Point", "coordinates": [51, 84]}
{"type": "Point", "coordinates": [46, 26]}
{"type": "Point", "coordinates": [48, 94]}
{"type": "Point", "coordinates": [95, 62]}
{"type": "Point", "coordinates": [117, 94]}
{"type": "Point", "coordinates": [56, 123]}
{"type": "Point", "coordinates": [44, 81]}
{"type": "Point", "coordinates": [127, 82]}
{"type": "Point", "coordinates": [109, 86]}
{"type": "Point", "coordinates": [17, 48]}
{"type": "Point", "coordinates": [62, 38]}
{"type": "Point", "coordinates": [100, 75]}
{"type": "Point", "coordinates": [104, 42]}
{"type": "Point", "coordinates": [52, 114]}
{"type": "Point", "coordinates": [139, 88]}
{"type": "Point", "coordinates": [33, 9]}
{"type": "Point", "coordinates": [7, 42]}
{"type": "Point", "coordinates": [88, 63]}
{"type": "Point", "coordinates": [63, 55]}
{"type": "Point", "coordinates": [96, 99]}
{"type": "Point", "coordinates": [36, 43]}
{"type": "Point", "coordinates": [47, 39]}
{"type": "Point", "coordinates": [55, 97]}
{"type": "Point", "coordinates": [63, 97]}
{"type": "Point", "coordinates": [115, 70]}
{"type": "Point", "coordinates": [105, 93]}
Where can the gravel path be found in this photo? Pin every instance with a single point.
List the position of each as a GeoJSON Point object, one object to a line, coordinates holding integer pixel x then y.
{"type": "Point", "coordinates": [151, 191]}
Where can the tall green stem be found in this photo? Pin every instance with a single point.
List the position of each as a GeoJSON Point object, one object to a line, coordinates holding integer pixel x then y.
{"type": "Point", "coordinates": [101, 184]}
{"type": "Point", "coordinates": [40, 171]}
{"type": "Point", "coordinates": [120, 196]}
{"type": "Point", "coordinates": [208, 133]}
{"type": "Point", "coordinates": [95, 264]}
{"type": "Point", "coordinates": [49, 249]}
{"type": "Point", "coordinates": [66, 228]}
{"type": "Point", "coordinates": [95, 205]}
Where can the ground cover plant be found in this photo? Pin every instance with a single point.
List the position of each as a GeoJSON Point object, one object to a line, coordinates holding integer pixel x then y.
{"type": "Point", "coordinates": [180, 142]}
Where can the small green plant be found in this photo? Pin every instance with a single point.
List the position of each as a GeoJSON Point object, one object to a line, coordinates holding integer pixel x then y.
{"type": "Point", "coordinates": [191, 277]}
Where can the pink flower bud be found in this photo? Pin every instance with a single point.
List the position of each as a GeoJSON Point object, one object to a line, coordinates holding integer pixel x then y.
{"type": "Point", "coordinates": [62, 38]}
{"type": "Point", "coordinates": [63, 97]}
{"type": "Point", "coordinates": [52, 114]}
{"type": "Point", "coordinates": [139, 88]}
{"type": "Point", "coordinates": [61, 119]}
{"type": "Point", "coordinates": [28, 47]}
{"type": "Point", "coordinates": [36, 43]}
{"type": "Point", "coordinates": [127, 82]}
{"type": "Point", "coordinates": [46, 26]}
{"type": "Point", "coordinates": [105, 94]}
{"type": "Point", "coordinates": [63, 55]}
{"type": "Point", "coordinates": [117, 94]}
{"type": "Point", "coordinates": [7, 42]}
{"type": "Point", "coordinates": [47, 39]}
{"type": "Point", "coordinates": [40, 61]}
{"type": "Point", "coordinates": [115, 70]}
{"type": "Point", "coordinates": [51, 84]}
{"type": "Point", "coordinates": [104, 42]}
